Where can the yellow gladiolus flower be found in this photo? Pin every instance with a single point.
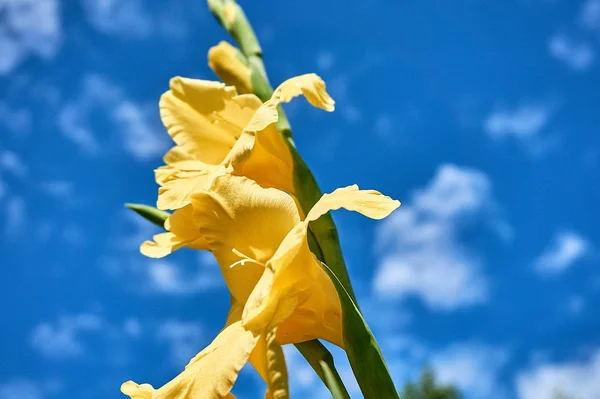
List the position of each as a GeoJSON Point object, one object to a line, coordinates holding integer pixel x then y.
{"type": "Point", "coordinates": [215, 127]}
{"type": "Point", "coordinates": [280, 292]}
{"type": "Point", "coordinates": [217, 130]}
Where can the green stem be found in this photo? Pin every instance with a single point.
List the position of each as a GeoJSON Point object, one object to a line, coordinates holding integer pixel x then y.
{"type": "Point", "coordinates": [323, 237]}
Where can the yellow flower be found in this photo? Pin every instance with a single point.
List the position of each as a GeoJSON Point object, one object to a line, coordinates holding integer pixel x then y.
{"type": "Point", "coordinates": [226, 61]}
{"type": "Point", "coordinates": [214, 127]}
{"type": "Point", "coordinates": [280, 292]}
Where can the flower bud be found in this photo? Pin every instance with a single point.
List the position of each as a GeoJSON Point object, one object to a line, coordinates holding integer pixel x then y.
{"type": "Point", "coordinates": [230, 66]}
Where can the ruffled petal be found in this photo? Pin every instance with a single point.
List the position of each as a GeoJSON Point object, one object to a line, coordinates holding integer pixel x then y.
{"type": "Point", "coordinates": [284, 284]}
{"type": "Point", "coordinates": [187, 113]}
{"type": "Point", "coordinates": [261, 153]}
{"type": "Point", "coordinates": [370, 203]}
{"type": "Point", "coordinates": [243, 224]}
{"type": "Point", "coordinates": [178, 186]}
{"type": "Point", "coordinates": [137, 391]}
{"type": "Point", "coordinates": [182, 232]}
{"type": "Point", "coordinates": [313, 88]}
{"type": "Point", "coordinates": [210, 374]}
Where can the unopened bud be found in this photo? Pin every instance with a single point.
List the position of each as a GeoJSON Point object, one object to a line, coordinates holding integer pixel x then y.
{"type": "Point", "coordinates": [231, 66]}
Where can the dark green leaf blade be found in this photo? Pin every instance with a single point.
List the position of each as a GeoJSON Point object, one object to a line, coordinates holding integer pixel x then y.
{"type": "Point", "coordinates": [364, 354]}
{"type": "Point", "coordinates": [150, 213]}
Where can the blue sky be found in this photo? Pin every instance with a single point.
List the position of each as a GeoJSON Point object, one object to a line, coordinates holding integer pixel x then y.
{"type": "Point", "coordinates": [481, 117]}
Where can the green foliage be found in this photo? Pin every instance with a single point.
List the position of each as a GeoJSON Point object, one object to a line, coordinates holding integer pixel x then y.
{"type": "Point", "coordinates": [427, 388]}
{"type": "Point", "coordinates": [150, 213]}
{"type": "Point", "coordinates": [364, 355]}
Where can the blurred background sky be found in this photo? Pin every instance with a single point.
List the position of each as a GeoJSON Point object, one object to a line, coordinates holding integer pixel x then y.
{"type": "Point", "coordinates": [480, 116]}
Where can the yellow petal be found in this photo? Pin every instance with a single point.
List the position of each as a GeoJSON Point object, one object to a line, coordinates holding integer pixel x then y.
{"type": "Point", "coordinates": [188, 111]}
{"type": "Point", "coordinates": [277, 380]}
{"type": "Point", "coordinates": [261, 153]}
{"type": "Point", "coordinates": [370, 203]}
{"type": "Point", "coordinates": [182, 232]}
{"type": "Point", "coordinates": [264, 158]}
{"type": "Point", "coordinates": [178, 186]}
{"type": "Point", "coordinates": [210, 374]}
{"type": "Point", "coordinates": [137, 391]}
{"type": "Point", "coordinates": [226, 61]}
{"type": "Point", "coordinates": [239, 219]}
{"type": "Point", "coordinates": [311, 85]}
{"type": "Point", "coordinates": [295, 293]}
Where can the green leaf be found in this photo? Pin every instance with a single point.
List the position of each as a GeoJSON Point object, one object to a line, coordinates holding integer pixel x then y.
{"type": "Point", "coordinates": [333, 381]}
{"type": "Point", "coordinates": [364, 354]}
{"type": "Point", "coordinates": [321, 361]}
{"type": "Point", "coordinates": [150, 213]}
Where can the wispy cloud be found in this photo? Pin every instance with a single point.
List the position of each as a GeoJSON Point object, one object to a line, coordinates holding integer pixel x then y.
{"type": "Point", "coordinates": [140, 19]}
{"type": "Point", "coordinates": [22, 388]}
{"type": "Point", "coordinates": [571, 379]}
{"type": "Point", "coordinates": [184, 339]}
{"type": "Point", "coordinates": [590, 15]}
{"type": "Point", "coordinates": [102, 105]}
{"type": "Point", "coordinates": [28, 27]}
{"type": "Point", "coordinates": [526, 122]}
{"type": "Point", "coordinates": [565, 249]}
{"type": "Point", "coordinates": [63, 338]}
{"type": "Point", "coordinates": [578, 55]}
{"type": "Point", "coordinates": [423, 254]}
{"type": "Point", "coordinates": [15, 216]}
{"type": "Point", "coordinates": [473, 368]}
{"type": "Point", "coordinates": [168, 278]}
{"type": "Point", "coordinates": [158, 276]}
{"type": "Point", "coordinates": [11, 162]}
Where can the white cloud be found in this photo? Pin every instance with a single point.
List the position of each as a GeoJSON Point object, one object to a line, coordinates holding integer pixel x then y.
{"type": "Point", "coordinates": [62, 339]}
{"type": "Point", "coordinates": [325, 60]}
{"type": "Point", "coordinates": [576, 54]}
{"type": "Point", "coordinates": [565, 249]}
{"type": "Point", "coordinates": [168, 278]}
{"type": "Point", "coordinates": [129, 19]}
{"type": "Point", "coordinates": [473, 368]}
{"type": "Point", "coordinates": [63, 190]}
{"type": "Point", "coordinates": [575, 305]}
{"type": "Point", "coordinates": [423, 254]}
{"type": "Point", "coordinates": [141, 137]}
{"type": "Point", "coordinates": [139, 19]}
{"type": "Point", "coordinates": [159, 276]}
{"type": "Point", "coordinates": [21, 388]}
{"type": "Point", "coordinates": [28, 27]}
{"type": "Point", "coordinates": [16, 216]}
{"type": "Point", "coordinates": [133, 328]}
{"type": "Point", "coordinates": [75, 129]}
{"type": "Point", "coordinates": [577, 380]}
{"type": "Point", "coordinates": [2, 188]}
{"type": "Point", "coordinates": [384, 123]}
{"type": "Point", "coordinates": [522, 122]}
{"type": "Point", "coordinates": [101, 105]}
{"type": "Point", "coordinates": [183, 338]}
{"type": "Point", "coordinates": [11, 162]}
{"type": "Point", "coordinates": [525, 122]}
{"type": "Point", "coordinates": [590, 15]}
